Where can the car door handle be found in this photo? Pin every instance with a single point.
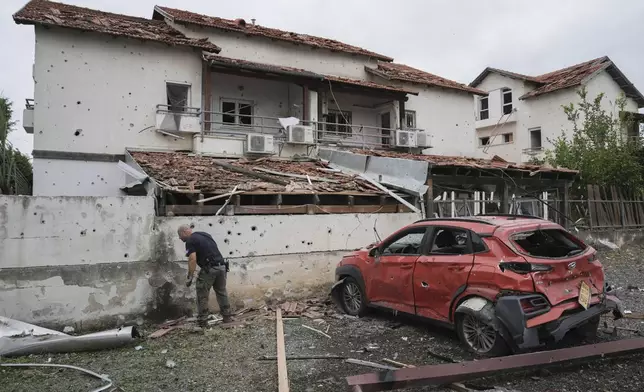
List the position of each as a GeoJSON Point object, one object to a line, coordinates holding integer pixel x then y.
{"type": "Point", "coordinates": [407, 266]}
{"type": "Point", "coordinates": [456, 268]}
{"type": "Point", "coordinates": [424, 285]}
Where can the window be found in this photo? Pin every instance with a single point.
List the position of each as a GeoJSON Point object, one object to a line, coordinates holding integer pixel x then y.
{"type": "Point", "coordinates": [549, 243]}
{"type": "Point", "coordinates": [535, 139]}
{"type": "Point", "coordinates": [507, 138]}
{"type": "Point", "coordinates": [484, 110]}
{"type": "Point", "coordinates": [410, 119]}
{"type": "Point", "coordinates": [507, 101]}
{"type": "Point", "coordinates": [484, 141]}
{"type": "Point", "coordinates": [408, 244]}
{"type": "Point", "coordinates": [237, 112]}
{"type": "Point", "coordinates": [178, 96]}
{"type": "Point", "coordinates": [448, 241]}
{"type": "Point", "coordinates": [478, 245]}
{"type": "Point", "coordinates": [340, 123]}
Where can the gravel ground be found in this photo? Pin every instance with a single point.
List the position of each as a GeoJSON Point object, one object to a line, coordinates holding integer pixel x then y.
{"type": "Point", "coordinates": [227, 359]}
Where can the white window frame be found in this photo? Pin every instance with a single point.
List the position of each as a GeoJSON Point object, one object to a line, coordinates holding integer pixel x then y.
{"type": "Point", "coordinates": [411, 113]}
{"type": "Point", "coordinates": [506, 91]}
{"type": "Point", "coordinates": [188, 94]}
{"type": "Point", "coordinates": [480, 107]}
{"type": "Point", "coordinates": [511, 137]}
{"type": "Point", "coordinates": [489, 141]}
{"type": "Point", "coordinates": [340, 115]}
{"type": "Point", "coordinates": [530, 131]}
{"type": "Point", "coordinates": [237, 103]}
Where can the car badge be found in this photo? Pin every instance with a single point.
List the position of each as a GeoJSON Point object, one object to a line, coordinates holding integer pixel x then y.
{"type": "Point", "coordinates": [572, 265]}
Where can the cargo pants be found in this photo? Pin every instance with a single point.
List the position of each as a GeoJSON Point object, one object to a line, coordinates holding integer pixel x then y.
{"type": "Point", "coordinates": [214, 277]}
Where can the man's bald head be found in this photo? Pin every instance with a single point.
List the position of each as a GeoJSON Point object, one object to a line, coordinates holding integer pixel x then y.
{"type": "Point", "coordinates": [184, 232]}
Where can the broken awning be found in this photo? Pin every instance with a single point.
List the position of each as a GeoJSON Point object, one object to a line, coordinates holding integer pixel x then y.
{"type": "Point", "coordinates": [217, 61]}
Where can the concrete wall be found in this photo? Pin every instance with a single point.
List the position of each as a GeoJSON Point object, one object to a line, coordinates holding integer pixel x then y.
{"type": "Point", "coordinates": [268, 51]}
{"type": "Point", "coordinates": [98, 260]}
{"type": "Point", "coordinates": [96, 94]}
{"type": "Point", "coordinates": [543, 112]}
{"type": "Point", "coordinates": [57, 177]}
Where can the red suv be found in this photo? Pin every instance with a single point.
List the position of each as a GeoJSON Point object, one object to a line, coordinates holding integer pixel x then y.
{"type": "Point", "coordinates": [505, 283]}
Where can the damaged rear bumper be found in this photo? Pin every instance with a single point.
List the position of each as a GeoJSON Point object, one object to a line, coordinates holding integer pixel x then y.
{"type": "Point", "coordinates": [523, 333]}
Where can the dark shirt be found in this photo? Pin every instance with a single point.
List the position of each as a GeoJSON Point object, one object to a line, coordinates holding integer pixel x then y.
{"type": "Point", "coordinates": [208, 254]}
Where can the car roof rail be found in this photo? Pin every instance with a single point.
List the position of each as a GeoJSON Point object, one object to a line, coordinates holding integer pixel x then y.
{"type": "Point", "coordinates": [458, 219]}
{"type": "Point", "coordinates": [516, 216]}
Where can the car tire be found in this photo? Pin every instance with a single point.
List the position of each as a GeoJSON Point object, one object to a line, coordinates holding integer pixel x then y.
{"type": "Point", "coordinates": [353, 298]}
{"type": "Point", "coordinates": [479, 337]}
{"type": "Point", "coordinates": [589, 330]}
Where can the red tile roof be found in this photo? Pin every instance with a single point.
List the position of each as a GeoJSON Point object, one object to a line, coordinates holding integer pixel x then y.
{"type": "Point", "coordinates": [280, 69]}
{"type": "Point", "coordinates": [401, 72]}
{"type": "Point", "coordinates": [239, 25]}
{"type": "Point", "coordinates": [48, 13]}
{"type": "Point", "coordinates": [183, 169]}
{"type": "Point", "coordinates": [569, 77]}
{"type": "Point", "coordinates": [444, 160]}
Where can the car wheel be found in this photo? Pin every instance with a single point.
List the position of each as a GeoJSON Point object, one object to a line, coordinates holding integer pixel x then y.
{"type": "Point", "coordinates": [479, 337]}
{"type": "Point", "coordinates": [353, 298]}
{"type": "Point", "coordinates": [588, 331]}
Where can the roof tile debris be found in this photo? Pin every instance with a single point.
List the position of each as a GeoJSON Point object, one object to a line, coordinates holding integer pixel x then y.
{"type": "Point", "coordinates": [401, 72]}
{"type": "Point", "coordinates": [567, 77]}
{"type": "Point", "coordinates": [239, 25]}
{"type": "Point", "coordinates": [200, 172]}
{"type": "Point", "coordinates": [478, 163]}
{"type": "Point", "coordinates": [49, 13]}
{"type": "Point", "coordinates": [280, 69]}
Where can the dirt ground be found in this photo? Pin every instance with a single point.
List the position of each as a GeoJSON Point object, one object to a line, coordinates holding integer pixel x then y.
{"type": "Point", "coordinates": [228, 359]}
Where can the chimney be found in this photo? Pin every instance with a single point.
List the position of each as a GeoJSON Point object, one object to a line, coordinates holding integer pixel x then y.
{"type": "Point", "coordinates": [240, 22]}
{"type": "Point", "coordinates": [253, 21]}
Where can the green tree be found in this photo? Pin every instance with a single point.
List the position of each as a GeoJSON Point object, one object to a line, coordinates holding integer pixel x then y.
{"type": "Point", "coordinates": [16, 171]}
{"type": "Point", "coordinates": [598, 147]}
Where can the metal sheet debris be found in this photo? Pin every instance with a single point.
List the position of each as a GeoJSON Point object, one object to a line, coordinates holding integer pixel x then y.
{"type": "Point", "coordinates": [19, 338]}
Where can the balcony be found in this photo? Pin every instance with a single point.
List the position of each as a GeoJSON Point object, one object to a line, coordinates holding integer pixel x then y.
{"type": "Point", "coordinates": [173, 120]}
{"type": "Point", "coordinates": [231, 132]}
{"type": "Point", "coordinates": [28, 116]}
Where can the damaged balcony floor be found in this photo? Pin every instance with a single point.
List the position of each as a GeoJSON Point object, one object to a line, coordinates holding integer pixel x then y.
{"type": "Point", "coordinates": [227, 359]}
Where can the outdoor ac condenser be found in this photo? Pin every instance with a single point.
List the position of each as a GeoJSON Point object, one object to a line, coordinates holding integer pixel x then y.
{"type": "Point", "coordinates": [299, 134]}
{"type": "Point", "coordinates": [260, 144]}
{"type": "Point", "coordinates": [423, 139]}
{"type": "Point", "coordinates": [405, 138]}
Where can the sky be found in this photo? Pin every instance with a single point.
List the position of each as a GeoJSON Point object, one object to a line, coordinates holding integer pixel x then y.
{"type": "Point", "coordinates": [455, 39]}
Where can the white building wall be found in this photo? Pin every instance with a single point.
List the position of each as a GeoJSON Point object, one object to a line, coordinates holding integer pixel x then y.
{"type": "Point", "coordinates": [268, 51]}
{"type": "Point", "coordinates": [86, 260]}
{"type": "Point", "coordinates": [98, 94]}
{"type": "Point", "coordinates": [58, 177]}
{"type": "Point", "coordinates": [448, 116]}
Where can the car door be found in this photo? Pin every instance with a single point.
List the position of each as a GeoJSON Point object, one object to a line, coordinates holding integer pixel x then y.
{"type": "Point", "coordinates": [391, 278]}
{"type": "Point", "coordinates": [444, 270]}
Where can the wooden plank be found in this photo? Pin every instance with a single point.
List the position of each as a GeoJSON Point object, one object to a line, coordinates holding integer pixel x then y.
{"type": "Point", "coordinates": [247, 172]}
{"type": "Point", "coordinates": [592, 214]}
{"type": "Point", "coordinates": [181, 209]}
{"type": "Point", "coordinates": [300, 176]}
{"type": "Point", "coordinates": [282, 372]}
{"type": "Point", "coordinates": [602, 215]}
{"type": "Point", "coordinates": [223, 195]}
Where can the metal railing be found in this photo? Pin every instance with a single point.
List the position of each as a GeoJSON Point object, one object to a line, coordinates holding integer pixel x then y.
{"type": "Point", "coordinates": [29, 103]}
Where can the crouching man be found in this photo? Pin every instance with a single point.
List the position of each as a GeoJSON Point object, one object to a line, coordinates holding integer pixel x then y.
{"type": "Point", "coordinates": [202, 250]}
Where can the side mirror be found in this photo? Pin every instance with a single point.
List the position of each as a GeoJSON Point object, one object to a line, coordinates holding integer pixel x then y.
{"type": "Point", "coordinates": [375, 252]}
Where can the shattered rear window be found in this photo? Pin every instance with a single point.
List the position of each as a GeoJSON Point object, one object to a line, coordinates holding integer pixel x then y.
{"type": "Point", "coordinates": [549, 243]}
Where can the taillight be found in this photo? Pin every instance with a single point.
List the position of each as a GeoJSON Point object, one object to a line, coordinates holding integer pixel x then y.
{"type": "Point", "coordinates": [523, 267]}
{"type": "Point", "coordinates": [533, 304]}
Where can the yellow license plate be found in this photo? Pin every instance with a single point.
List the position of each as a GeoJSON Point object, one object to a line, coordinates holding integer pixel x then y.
{"type": "Point", "coordinates": [584, 295]}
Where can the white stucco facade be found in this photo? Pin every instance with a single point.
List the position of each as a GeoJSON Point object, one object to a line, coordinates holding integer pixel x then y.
{"type": "Point", "coordinates": [542, 115]}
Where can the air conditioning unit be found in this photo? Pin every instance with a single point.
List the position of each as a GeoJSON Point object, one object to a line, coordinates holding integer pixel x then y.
{"type": "Point", "coordinates": [423, 139]}
{"type": "Point", "coordinates": [260, 144]}
{"type": "Point", "coordinates": [299, 134]}
{"type": "Point", "coordinates": [405, 138]}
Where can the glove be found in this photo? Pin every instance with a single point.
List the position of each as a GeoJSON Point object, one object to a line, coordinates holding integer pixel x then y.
{"type": "Point", "coordinates": [189, 281]}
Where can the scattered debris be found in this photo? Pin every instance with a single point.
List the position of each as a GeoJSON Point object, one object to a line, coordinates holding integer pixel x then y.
{"type": "Point", "coordinates": [395, 363]}
{"type": "Point", "coordinates": [405, 338]}
{"type": "Point", "coordinates": [174, 322]}
{"type": "Point", "coordinates": [301, 357]}
{"type": "Point", "coordinates": [316, 330]}
{"type": "Point", "coordinates": [170, 364]}
{"type": "Point", "coordinates": [628, 312]}
{"type": "Point", "coordinates": [138, 348]}
{"type": "Point", "coordinates": [161, 332]}
{"type": "Point", "coordinates": [370, 347]}
{"type": "Point", "coordinates": [441, 357]}
{"type": "Point", "coordinates": [370, 364]}
{"type": "Point", "coordinates": [68, 329]}
{"type": "Point", "coordinates": [164, 351]}
{"type": "Point", "coordinates": [608, 244]}
{"type": "Point", "coordinates": [103, 377]}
